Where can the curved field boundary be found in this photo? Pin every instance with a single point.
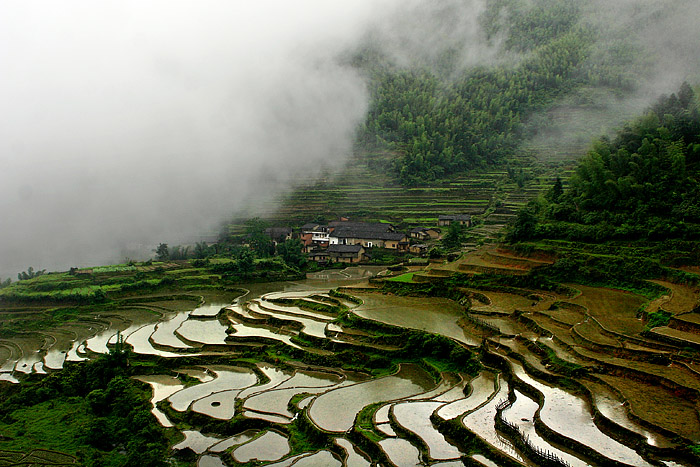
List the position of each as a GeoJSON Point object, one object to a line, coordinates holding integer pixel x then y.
{"type": "Point", "coordinates": [606, 426]}
{"type": "Point", "coordinates": [687, 322]}
{"type": "Point", "coordinates": [521, 441]}
{"type": "Point", "coordinates": [614, 368]}
{"type": "Point", "coordinates": [36, 458]}
{"type": "Point", "coordinates": [514, 261]}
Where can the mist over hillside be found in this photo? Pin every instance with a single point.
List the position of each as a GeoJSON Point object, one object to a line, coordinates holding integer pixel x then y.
{"type": "Point", "coordinates": [126, 124]}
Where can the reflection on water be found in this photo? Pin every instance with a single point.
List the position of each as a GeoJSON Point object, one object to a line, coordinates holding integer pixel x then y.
{"type": "Point", "coordinates": [209, 331]}
{"type": "Point", "coordinates": [436, 315]}
{"type": "Point", "coordinates": [401, 452]}
{"type": "Point", "coordinates": [54, 359]}
{"type": "Point", "coordinates": [221, 405]}
{"type": "Point", "coordinates": [210, 461]}
{"type": "Point", "coordinates": [521, 414]}
{"type": "Point", "coordinates": [415, 417]}
{"type": "Point", "coordinates": [208, 310]}
{"type": "Point", "coordinates": [611, 407]}
{"type": "Point", "coordinates": [482, 422]}
{"type": "Point", "coordinates": [163, 386]}
{"type": "Point", "coordinates": [165, 332]}
{"type": "Point", "coordinates": [336, 398]}
{"type": "Point", "coordinates": [196, 441]}
{"type": "Point", "coordinates": [270, 446]}
{"type": "Point", "coordinates": [484, 461]}
{"type": "Point", "coordinates": [227, 378]}
{"type": "Point", "coordinates": [324, 458]}
{"type": "Point", "coordinates": [569, 415]}
{"type": "Point", "coordinates": [482, 388]}
{"type": "Point", "coordinates": [353, 459]}
{"type": "Point", "coordinates": [234, 441]}
{"type": "Point", "coordinates": [335, 410]}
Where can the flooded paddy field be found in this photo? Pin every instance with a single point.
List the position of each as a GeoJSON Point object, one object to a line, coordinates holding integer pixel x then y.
{"type": "Point", "coordinates": [316, 372]}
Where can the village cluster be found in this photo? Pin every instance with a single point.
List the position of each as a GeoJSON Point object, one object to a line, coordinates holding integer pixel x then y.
{"type": "Point", "coordinates": [345, 241]}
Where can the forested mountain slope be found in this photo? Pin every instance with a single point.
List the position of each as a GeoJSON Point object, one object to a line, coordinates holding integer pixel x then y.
{"type": "Point", "coordinates": [440, 119]}
{"type": "Point", "coordinates": [643, 184]}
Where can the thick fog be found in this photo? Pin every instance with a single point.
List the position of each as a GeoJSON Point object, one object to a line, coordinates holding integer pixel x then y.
{"type": "Point", "coordinates": [127, 123]}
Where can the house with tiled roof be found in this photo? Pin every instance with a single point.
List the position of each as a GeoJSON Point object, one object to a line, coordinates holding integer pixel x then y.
{"type": "Point", "coordinates": [346, 253]}
{"type": "Point", "coordinates": [279, 234]}
{"type": "Point", "coordinates": [462, 219]}
{"type": "Point", "coordinates": [369, 235]}
{"type": "Point", "coordinates": [314, 236]}
{"type": "Point", "coordinates": [423, 233]}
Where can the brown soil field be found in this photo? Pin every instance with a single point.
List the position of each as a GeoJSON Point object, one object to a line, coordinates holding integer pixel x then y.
{"type": "Point", "coordinates": [5, 354]}
{"type": "Point", "coordinates": [616, 310]}
{"type": "Point", "coordinates": [689, 337]}
{"type": "Point", "coordinates": [693, 318]}
{"type": "Point", "coordinates": [683, 298]}
{"type": "Point", "coordinates": [502, 302]}
{"type": "Point", "coordinates": [566, 315]}
{"type": "Point", "coordinates": [589, 331]}
{"type": "Point", "coordinates": [676, 373]}
{"type": "Point", "coordinates": [658, 406]}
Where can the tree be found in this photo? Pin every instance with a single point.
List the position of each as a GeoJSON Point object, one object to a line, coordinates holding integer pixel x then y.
{"type": "Point", "coordinates": [291, 253]}
{"type": "Point", "coordinates": [554, 193]}
{"type": "Point", "coordinates": [260, 243]}
{"type": "Point", "coordinates": [453, 237]}
{"type": "Point", "coordinates": [524, 226]}
{"type": "Point", "coordinates": [162, 252]}
{"type": "Point", "coordinates": [201, 250]}
{"type": "Point", "coordinates": [179, 252]}
{"type": "Point", "coordinates": [246, 261]}
{"type": "Point", "coordinates": [30, 274]}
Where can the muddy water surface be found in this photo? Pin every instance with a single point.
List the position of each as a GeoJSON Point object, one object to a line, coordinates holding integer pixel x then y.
{"type": "Point", "coordinates": [415, 417]}
{"type": "Point", "coordinates": [522, 415]}
{"type": "Point", "coordinates": [227, 378]}
{"type": "Point", "coordinates": [270, 446]}
{"type": "Point", "coordinates": [436, 315]}
{"type": "Point", "coordinates": [335, 410]}
{"type": "Point", "coordinates": [401, 452]}
{"type": "Point", "coordinates": [481, 389]}
{"type": "Point", "coordinates": [162, 386]}
{"type": "Point", "coordinates": [569, 415]}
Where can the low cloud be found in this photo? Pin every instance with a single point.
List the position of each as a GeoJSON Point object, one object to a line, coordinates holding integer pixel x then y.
{"type": "Point", "coordinates": [128, 123]}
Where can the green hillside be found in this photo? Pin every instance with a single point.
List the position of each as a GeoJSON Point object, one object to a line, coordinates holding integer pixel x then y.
{"type": "Point", "coordinates": [440, 139]}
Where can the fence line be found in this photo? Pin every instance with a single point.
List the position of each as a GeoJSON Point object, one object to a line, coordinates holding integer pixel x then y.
{"type": "Point", "coordinates": [538, 451]}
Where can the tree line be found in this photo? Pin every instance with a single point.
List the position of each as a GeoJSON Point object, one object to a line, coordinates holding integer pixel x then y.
{"type": "Point", "coordinates": [438, 123]}
{"type": "Point", "coordinates": [642, 184]}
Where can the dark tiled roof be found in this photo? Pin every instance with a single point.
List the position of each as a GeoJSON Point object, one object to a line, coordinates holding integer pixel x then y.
{"type": "Point", "coordinates": [366, 234]}
{"type": "Point", "coordinates": [372, 226]}
{"type": "Point", "coordinates": [278, 232]}
{"type": "Point", "coordinates": [419, 230]}
{"type": "Point", "coordinates": [398, 236]}
{"type": "Point", "coordinates": [344, 249]}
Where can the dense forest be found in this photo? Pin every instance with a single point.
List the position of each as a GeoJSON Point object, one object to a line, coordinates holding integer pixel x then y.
{"type": "Point", "coordinates": [642, 184]}
{"type": "Point", "coordinates": [440, 120]}
{"type": "Point", "coordinates": [94, 411]}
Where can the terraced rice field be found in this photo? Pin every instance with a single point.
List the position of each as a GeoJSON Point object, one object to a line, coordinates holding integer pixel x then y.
{"type": "Point", "coordinates": [567, 380]}
{"type": "Point", "coordinates": [361, 189]}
